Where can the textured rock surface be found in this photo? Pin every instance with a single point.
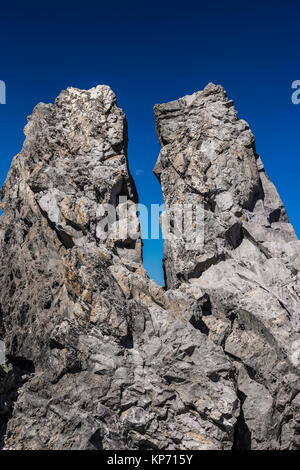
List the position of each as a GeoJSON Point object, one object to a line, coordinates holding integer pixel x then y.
{"type": "Point", "coordinates": [248, 265]}
{"type": "Point", "coordinates": [102, 357]}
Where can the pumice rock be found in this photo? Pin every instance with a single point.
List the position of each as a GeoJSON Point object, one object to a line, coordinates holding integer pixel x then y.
{"type": "Point", "coordinates": [101, 357]}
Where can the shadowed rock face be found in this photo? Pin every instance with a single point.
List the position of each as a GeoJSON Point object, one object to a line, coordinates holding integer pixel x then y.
{"type": "Point", "coordinates": [102, 357]}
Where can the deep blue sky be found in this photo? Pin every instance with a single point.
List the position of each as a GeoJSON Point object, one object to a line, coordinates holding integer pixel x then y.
{"type": "Point", "coordinates": [152, 52]}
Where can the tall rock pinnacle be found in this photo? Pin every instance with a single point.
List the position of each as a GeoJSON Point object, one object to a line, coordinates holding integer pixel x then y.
{"type": "Point", "coordinates": [208, 157]}
{"type": "Point", "coordinates": [101, 357]}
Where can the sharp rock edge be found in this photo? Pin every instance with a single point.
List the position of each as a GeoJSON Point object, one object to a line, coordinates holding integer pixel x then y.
{"type": "Point", "coordinates": [99, 356]}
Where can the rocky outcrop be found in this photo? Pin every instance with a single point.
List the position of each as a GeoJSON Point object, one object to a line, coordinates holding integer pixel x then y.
{"type": "Point", "coordinates": [102, 357]}
{"type": "Point", "coordinates": [248, 262]}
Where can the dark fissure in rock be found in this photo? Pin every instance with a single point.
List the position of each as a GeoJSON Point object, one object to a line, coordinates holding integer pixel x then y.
{"type": "Point", "coordinates": [13, 375]}
{"type": "Point", "coordinates": [242, 434]}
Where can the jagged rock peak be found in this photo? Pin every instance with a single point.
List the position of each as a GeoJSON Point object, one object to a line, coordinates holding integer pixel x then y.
{"type": "Point", "coordinates": [208, 158]}
{"type": "Point", "coordinates": [101, 357]}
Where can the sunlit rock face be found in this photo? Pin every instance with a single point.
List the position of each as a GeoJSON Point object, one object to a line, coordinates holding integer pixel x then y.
{"type": "Point", "coordinates": [248, 264]}
{"type": "Point", "coordinates": [208, 158]}
{"type": "Point", "coordinates": [98, 355]}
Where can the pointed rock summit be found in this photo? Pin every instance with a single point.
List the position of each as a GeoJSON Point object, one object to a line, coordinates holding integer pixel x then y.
{"type": "Point", "coordinates": [98, 356]}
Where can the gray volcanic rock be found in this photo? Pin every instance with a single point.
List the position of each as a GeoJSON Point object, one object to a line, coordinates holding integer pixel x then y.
{"type": "Point", "coordinates": [100, 356]}
{"type": "Point", "coordinates": [208, 158]}
{"type": "Point", "coordinates": [248, 265]}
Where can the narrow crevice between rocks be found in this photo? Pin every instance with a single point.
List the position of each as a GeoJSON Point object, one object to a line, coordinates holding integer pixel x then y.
{"type": "Point", "coordinates": [242, 434]}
